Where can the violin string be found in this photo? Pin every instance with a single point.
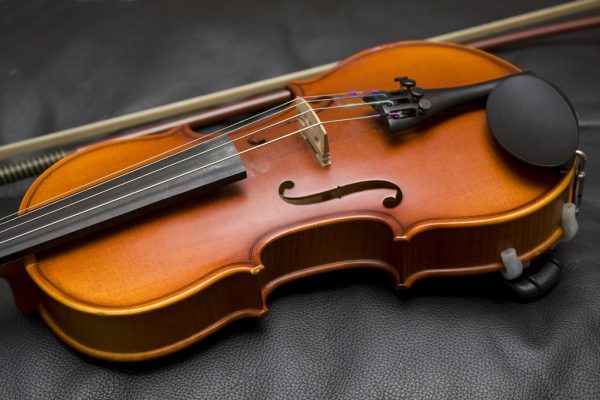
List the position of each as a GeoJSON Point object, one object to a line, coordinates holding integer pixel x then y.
{"type": "Point", "coordinates": [287, 135]}
{"type": "Point", "coordinates": [180, 161]}
{"type": "Point", "coordinates": [203, 140]}
{"type": "Point", "coordinates": [116, 174]}
{"type": "Point", "coordinates": [139, 177]}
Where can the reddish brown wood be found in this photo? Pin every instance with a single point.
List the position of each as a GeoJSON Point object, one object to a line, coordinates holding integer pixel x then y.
{"type": "Point", "coordinates": [537, 33]}
{"type": "Point", "coordinates": [164, 281]}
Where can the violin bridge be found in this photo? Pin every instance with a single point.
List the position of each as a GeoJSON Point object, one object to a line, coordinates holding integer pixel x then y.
{"type": "Point", "coordinates": [314, 132]}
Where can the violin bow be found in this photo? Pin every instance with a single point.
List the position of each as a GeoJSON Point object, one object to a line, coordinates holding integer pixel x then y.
{"type": "Point", "coordinates": [103, 127]}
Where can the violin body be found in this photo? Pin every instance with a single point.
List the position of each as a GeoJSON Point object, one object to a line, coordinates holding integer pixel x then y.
{"type": "Point", "coordinates": [162, 281]}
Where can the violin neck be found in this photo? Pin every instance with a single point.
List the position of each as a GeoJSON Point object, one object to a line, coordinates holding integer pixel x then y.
{"type": "Point", "coordinates": [157, 184]}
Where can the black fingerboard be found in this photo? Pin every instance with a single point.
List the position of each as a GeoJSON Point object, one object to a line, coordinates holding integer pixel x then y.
{"type": "Point", "coordinates": [190, 172]}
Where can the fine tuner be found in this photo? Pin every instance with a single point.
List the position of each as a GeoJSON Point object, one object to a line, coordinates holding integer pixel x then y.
{"type": "Point", "coordinates": [530, 118]}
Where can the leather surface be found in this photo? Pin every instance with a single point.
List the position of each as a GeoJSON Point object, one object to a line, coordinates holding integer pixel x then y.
{"type": "Point", "coordinates": [343, 335]}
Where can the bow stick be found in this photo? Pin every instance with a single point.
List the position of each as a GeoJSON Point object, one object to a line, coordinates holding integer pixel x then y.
{"type": "Point", "coordinates": [106, 126]}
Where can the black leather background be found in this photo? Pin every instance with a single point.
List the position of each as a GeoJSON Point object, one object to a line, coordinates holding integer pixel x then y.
{"type": "Point", "coordinates": [342, 335]}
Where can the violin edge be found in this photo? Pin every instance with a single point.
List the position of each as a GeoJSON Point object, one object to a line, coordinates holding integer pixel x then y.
{"type": "Point", "coordinates": [67, 320]}
{"type": "Point", "coordinates": [88, 331]}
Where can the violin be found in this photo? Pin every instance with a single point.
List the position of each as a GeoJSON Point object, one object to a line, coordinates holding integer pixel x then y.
{"type": "Point", "coordinates": [417, 159]}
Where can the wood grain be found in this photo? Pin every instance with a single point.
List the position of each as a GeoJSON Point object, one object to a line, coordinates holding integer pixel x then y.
{"type": "Point", "coordinates": [166, 280]}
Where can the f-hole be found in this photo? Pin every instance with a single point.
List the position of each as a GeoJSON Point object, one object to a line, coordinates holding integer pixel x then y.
{"type": "Point", "coordinates": [341, 191]}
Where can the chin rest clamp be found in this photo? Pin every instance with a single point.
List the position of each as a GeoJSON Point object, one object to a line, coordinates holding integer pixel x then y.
{"type": "Point", "coordinates": [536, 280]}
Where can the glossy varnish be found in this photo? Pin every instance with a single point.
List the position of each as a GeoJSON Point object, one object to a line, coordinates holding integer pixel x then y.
{"type": "Point", "coordinates": [163, 281]}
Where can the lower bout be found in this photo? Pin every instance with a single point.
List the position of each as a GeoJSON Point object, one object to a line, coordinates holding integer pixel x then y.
{"type": "Point", "coordinates": [138, 336]}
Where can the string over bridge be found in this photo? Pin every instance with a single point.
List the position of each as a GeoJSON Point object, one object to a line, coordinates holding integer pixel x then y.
{"type": "Point", "coordinates": [314, 132]}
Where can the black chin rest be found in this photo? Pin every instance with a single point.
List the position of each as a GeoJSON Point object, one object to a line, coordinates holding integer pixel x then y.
{"type": "Point", "coordinates": [534, 121]}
